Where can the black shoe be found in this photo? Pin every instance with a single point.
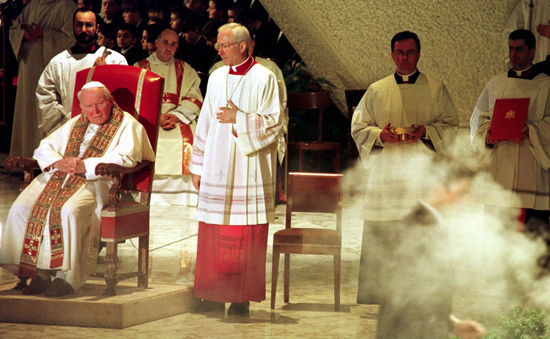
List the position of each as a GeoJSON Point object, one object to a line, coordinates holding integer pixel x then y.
{"type": "Point", "coordinates": [58, 288]}
{"type": "Point", "coordinates": [37, 286]}
{"type": "Point", "coordinates": [21, 284]}
{"type": "Point", "coordinates": [206, 306]}
{"type": "Point", "coordinates": [239, 308]}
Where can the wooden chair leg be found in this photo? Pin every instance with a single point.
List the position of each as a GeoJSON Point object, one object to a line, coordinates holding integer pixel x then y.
{"type": "Point", "coordinates": [287, 277]}
{"type": "Point", "coordinates": [337, 281]}
{"type": "Point", "coordinates": [111, 258]}
{"type": "Point", "coordinates": [274, 273]}
{"type": "Point", "coordinates": [143, 261]}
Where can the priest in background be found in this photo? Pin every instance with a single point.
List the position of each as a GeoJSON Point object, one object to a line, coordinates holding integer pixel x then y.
{"type": "Point", "coordinates": [42, 30]}
{"type": "Point", "coordinates": [404, 99]}
{"type": "Point", "coordinates": [521, 165]}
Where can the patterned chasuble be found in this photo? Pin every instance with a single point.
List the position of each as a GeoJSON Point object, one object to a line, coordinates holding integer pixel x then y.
{"type": "Point", "coordinates": [55, 193]}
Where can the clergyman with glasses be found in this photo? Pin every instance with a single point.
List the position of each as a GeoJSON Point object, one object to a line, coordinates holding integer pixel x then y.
{"type": "Point", "coordinates": [400, 117]}
{"type": "Point", "coordinates": [233, 167]}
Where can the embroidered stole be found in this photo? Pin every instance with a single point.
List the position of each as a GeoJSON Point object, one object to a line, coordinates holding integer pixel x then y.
{"type": "Point", "coordinates": [55, 194]}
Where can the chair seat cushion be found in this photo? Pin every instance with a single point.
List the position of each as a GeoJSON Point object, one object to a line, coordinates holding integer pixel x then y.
{"type": "Point", "coordinates": [127, 220]}
{"type": "Point", "coordinates": [313, 236]}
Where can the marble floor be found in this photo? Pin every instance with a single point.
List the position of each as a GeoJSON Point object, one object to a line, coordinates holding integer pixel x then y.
{"type": "Point", "coordinates": [310, 312]}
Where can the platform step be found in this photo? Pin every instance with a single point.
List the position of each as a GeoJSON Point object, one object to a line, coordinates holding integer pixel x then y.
{"type": "Point", "coordinates": [89, 308]}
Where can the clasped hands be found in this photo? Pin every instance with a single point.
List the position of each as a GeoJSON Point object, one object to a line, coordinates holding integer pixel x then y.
{"type": "Point", "coordinates": [168, 121]}
{"type": "Point", "coordinates": [388, 136]}
{"type": "Point", "coordinates": [70, 165]}
{"type": "Point", "coordinates": [32, 34]}
{"type": "Point", "coordinates": [228, 115]}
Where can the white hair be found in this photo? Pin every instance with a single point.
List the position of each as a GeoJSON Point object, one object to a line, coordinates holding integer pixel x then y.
{"type": "Point", "coordinates": [94, 84]}
{"type": "Point", "coordinates": [240, 32]}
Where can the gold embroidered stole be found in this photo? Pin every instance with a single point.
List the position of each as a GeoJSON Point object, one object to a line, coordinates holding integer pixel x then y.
{"type": "Point", "coordinates": [55, 194]}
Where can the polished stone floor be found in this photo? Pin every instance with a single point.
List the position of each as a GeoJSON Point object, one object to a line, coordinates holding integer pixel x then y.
{"type": "Point", "coordinates": [310, 313]}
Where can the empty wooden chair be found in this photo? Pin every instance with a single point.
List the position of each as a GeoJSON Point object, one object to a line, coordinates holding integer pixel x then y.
{"type": "Point", "coordinates": [314, 193]}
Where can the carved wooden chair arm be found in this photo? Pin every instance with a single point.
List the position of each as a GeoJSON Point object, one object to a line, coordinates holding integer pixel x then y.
{"type": "Point", "coordinates": [29, 165]}
{"type": "Point", "coordinates": [117, 173]}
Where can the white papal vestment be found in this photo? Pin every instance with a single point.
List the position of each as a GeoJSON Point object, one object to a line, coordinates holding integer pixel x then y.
{"type": "Point", "coordinates": [80, 216]}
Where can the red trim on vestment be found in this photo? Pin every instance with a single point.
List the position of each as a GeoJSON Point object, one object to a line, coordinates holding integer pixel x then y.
{"type": "Point", "coordinates": [243, 69]}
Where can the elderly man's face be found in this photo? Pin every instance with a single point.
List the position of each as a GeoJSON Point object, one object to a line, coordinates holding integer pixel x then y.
{"type": "Point", "coordinates": [521, 57]}
{"type": "Point", "coordinates": [96, 105]}
{"type": "Point", "coordinates": [231, 52]}
{"type": "Point", "coordinates": [167, 45]}
{"type": "Point", "coordinates": [405, 55]}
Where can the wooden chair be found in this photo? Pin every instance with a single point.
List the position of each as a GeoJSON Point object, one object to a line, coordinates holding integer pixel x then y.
{"type": "Point", "coordinates": [316, 193]}
{"type": "Point", "coordinates": [311, 101]}
{"type": "Point", "coordinates": [124, 217]}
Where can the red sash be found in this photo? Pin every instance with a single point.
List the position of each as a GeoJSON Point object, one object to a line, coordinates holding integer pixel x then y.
{"type": "Point", "coordinates": [57, 191]}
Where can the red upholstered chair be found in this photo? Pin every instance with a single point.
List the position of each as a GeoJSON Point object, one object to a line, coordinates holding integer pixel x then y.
{"type": "Point", "coordinates": [139, 92]}
{"type": "Point", "coordinates": [314, 193]}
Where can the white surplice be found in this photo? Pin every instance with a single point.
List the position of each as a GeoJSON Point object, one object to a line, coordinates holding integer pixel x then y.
{"type": "Point", "coordinates": [518, 167]}
{"type": "Point", "coordinates": [80, 215]}
{"type": "Point", "coordinates": [392, 187]}
{"type": "Point", "coordinates": [237, 162]}
{"type": "Point", "coordinates": [272, 66]}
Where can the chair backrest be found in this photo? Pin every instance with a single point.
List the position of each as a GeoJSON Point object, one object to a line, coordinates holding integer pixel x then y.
{"type": "Point", "coordinates": [353, 97]}
{"type": "Point", "coordinates": [310, 101]}
{"type": "Point", "coordinates": [314, 192]}
{"type": "Point", "coordinates": [138, 92]}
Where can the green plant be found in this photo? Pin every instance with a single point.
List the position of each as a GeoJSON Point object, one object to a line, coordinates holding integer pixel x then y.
{"type": "Point", "coordinates": [523, 323]}
{"type": "Point", "coordinates": [299, 79]}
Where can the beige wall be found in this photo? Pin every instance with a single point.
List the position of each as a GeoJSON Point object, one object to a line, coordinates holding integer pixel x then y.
{"type": "Point", "coordinates": [348, 41]}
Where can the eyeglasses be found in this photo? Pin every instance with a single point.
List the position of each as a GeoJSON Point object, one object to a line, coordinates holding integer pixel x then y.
{"type": "Point", "coordinates": [409, 54]}
{"type": "Point", "coordinates": [225, 47]}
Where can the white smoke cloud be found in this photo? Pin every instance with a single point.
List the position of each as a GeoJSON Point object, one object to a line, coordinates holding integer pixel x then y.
{"type": "Point", "coordinates": [472, 248]}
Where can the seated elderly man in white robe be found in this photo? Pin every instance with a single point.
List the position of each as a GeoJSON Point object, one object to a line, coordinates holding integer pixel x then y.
{"type": "Point", "coordinates": [181, 104]}
{"type": "Point", "coordinates": [53, 226]}
{"type": "Point", "coordinates": [521, 166]}
{"type": "Point", "coordinates": [403, 99]}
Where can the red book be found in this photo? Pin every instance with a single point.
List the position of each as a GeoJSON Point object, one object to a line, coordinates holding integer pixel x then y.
{"type": "Point", "coordinates": [509, 117]}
